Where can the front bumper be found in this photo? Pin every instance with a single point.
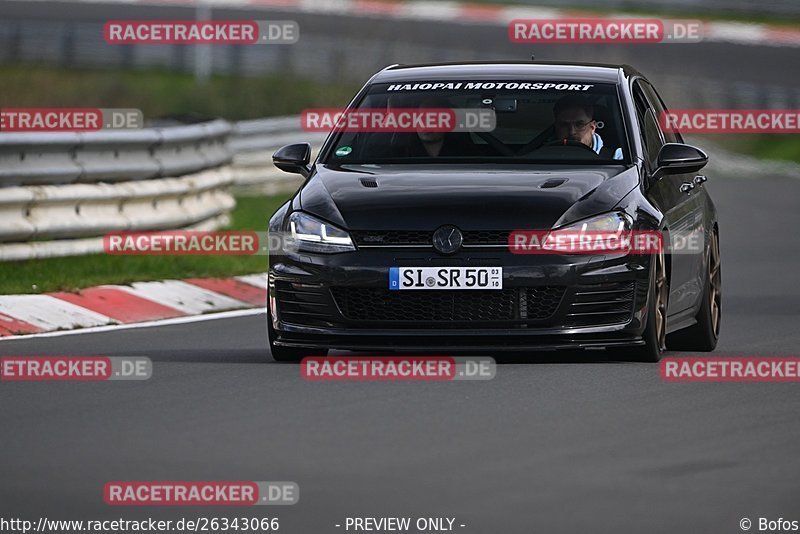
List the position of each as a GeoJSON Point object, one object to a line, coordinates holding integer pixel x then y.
{"type": "Point", "coordinates": [342, 301]}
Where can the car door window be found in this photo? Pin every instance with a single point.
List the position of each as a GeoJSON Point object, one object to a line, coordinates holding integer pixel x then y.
{"type": "Point", "coordinates": [658, 107]}
{"type": "Point", "coordinates": [652, 136]}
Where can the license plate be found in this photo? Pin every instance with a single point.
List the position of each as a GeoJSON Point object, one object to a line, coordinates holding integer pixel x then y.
{"type": "Point", "coordinates": [445, 278]}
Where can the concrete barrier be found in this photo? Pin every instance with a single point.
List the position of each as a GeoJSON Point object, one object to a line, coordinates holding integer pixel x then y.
{"type": "Point", "coordinates": [58, 189]}
{"type": "Point", "coordinates": [61, 192]}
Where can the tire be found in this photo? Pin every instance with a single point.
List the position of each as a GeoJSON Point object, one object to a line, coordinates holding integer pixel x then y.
{"type": "Point", "coordinates": [656, 327]}
{"type": "Point", "coordinates": [288, 354]}
{"type": "Point", "coordinates": [703, 335]}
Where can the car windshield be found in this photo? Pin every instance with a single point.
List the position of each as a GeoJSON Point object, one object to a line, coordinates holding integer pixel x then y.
{"type": "Point", "coordinates": [532, 121]}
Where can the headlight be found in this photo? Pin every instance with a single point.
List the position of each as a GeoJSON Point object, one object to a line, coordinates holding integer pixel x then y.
{"type": "Point", "coordinates": [612, 222]}
{"type": "Point", "coordinates": [313, 235]}
{"type": "Point", "coordinates": [601, 234]}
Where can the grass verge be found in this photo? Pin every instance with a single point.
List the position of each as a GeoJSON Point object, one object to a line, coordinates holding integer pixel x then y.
{"type": "Point", "coordinates": [159, 93]}
{"type": "Point", "coordinates": [779, 147]}
{"type": "Point", "coordinates": [70, 274]}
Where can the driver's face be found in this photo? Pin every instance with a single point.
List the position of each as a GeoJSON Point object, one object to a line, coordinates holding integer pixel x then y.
{"type": "Point", "coordinates": [576, 125]}
{"type": "Point", "coordinates": [430, 137]}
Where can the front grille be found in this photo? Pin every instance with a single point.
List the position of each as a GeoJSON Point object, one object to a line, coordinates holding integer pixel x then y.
{"type": "Point", "coordinates": [601, 304]}
{"type": "Point", "coordinates": [540, 306]}
{"type": "Point", "coordinates": [540, 303]}
{"type": "Point", "coordinates": [394, 237]}
{"type": "Point", "coordinates": [452, 307]}
{"type": "Point", "coordinates": [425, 239]}
{"type": "Point", "coordinates": [486, 237]}
{"type": "Point", "coordinates": [305, 304]}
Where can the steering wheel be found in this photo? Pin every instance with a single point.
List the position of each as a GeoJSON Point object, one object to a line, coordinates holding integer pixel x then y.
{"type": "Point", "coordinates": [495, 143]}
{"type": "Point", "coordinates": [569, 142]}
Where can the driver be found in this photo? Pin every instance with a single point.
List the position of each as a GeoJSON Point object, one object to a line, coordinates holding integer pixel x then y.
{"type": "Point", "coordinates": [574, 121]}
{"type": "Point", "coordinates": [433, 144]}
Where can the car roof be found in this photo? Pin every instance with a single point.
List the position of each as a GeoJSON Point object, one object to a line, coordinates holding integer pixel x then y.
{"type": "Point", "coordinates": [486, 70]}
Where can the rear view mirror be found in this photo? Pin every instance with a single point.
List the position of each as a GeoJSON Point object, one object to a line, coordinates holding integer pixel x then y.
{"type": "Point", "coordinates": [677, 158]}
{"type": "Point", "coordinates": [499, 105]}
{"type": "Point", "coordinates": [293, 158]}
{"type": "Point", "coordinates": [504, 105]}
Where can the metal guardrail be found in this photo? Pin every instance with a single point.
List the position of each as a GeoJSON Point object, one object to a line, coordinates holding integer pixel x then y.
{"type": "Point", "coordinates": [64, 157]}
{"type": "Point", "coordinates": [61, 192]}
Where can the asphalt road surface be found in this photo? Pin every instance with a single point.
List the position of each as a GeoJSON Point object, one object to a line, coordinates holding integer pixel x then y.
{"type": "Point", "coordinates": [568, 443]}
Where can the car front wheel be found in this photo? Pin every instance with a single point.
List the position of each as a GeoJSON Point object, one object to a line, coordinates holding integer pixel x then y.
{"type": "Point", "coordinates": [703, 335]}
{"type": "Point", "coordinates": [656, 328]}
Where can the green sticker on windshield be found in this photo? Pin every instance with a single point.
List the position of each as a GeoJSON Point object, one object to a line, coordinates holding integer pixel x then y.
{"type": "Point", "coordinates": [343, 150]}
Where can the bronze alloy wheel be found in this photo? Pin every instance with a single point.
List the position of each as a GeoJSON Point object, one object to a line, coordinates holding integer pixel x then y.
{"type": "Point", "coordinates": [662, 296]}
{"type": "Point", "coordinates": [704, 334]}
{"type": "Point", "coordinates": [715, 281]}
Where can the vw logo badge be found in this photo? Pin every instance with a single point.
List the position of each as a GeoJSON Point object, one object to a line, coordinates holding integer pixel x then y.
{"type": "Point", "coordinates": [447, 239]}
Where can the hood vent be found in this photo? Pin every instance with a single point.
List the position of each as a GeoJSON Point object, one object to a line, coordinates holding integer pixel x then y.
{"type": "Point", "coordinates": [553, 182]}
{"type": "Point", "coordinates": [368, 182]}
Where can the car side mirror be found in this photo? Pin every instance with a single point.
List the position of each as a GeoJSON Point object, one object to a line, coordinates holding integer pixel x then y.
{"type": "Point", "coordinates": [293, 158]}
{"type": "Point", "coordinates": [677, 158]}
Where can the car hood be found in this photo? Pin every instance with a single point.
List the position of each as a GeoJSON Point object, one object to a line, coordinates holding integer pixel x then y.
{"type": "Point", "coordinates": [412, 197]}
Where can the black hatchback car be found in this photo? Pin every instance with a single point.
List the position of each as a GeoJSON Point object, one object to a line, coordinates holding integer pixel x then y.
{"type": "Point", "coordinates": [400, 241]}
